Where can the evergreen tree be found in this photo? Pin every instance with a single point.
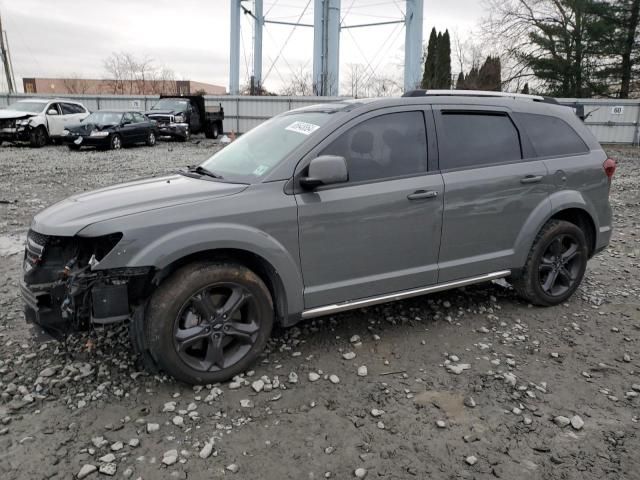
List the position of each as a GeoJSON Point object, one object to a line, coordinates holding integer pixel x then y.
{"type": "Point", "coordinates": [437, 63]}
{"type": "Point", "coordinates": [525, 89]}
{"type": "Point", "coordinates": [444, 61]}
{"type": "Point", "coordinates": [460, 84]}
{"type": "Point", "coordinates": [489, 75]}
{"type": "Point", "coordinates": [430, 61]}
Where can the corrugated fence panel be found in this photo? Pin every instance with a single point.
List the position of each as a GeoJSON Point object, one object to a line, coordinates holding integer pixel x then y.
{"type": "Point", "coordinates": [611, 120]}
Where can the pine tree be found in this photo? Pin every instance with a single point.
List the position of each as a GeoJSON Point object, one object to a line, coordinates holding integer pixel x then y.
{"type": "Point", "coordinates": [460, 84]}
{"type": "Point", "coordinates": [430, 61]}
{"type": "Point", "coordinates": [444, 61]}
{"type": "Point", "coordinates": [525, 89]}
{"type": "Point", "coordinates": [489, 77]}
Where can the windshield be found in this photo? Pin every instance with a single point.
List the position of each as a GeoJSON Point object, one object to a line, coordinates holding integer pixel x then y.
{"type": "Point", "coordinates": [104, 118]}
{"type": "Point", "coordinates": [170, 104]}
{"type": "Point", "coordinates": [31, 107]}
{"type": "Point", "coordinates": [256, 152]}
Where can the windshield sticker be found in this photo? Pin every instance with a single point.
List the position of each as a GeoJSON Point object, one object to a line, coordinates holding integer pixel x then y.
{"type": "Point", "coordinates": [260, 170]}
{"type": "Point", "coordinates": [303, 128]}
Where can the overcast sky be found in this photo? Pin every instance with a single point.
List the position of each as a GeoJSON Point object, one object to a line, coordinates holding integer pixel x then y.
{"type": "Point", "coordinates": [51, 38]}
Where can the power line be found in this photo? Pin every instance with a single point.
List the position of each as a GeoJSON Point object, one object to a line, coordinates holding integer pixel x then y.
{"type": "Point", "coordinates": [293, 29]}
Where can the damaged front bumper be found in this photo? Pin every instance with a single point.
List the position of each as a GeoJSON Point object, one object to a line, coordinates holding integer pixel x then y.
{"type": "Point", "coordinates": [173, 129]}
{"type": "Point", "coordinates": [15, 134]}
{"type": "Point", "coordinates": [63, 290]}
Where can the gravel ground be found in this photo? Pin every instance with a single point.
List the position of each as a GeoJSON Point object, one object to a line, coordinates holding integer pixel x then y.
{"type": "Point", "coordinates": [471, 383]}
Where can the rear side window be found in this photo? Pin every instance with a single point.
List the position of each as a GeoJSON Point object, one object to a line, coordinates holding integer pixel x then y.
{"type": "Point", "coordinates": [551, 136]}
{"type": "Point", "coordinates": [472, 140]}
{"type": "Point", "coordinates": [391, 145]}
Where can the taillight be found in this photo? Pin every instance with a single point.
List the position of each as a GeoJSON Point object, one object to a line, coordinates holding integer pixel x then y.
{"type": "Point", "coordinates": [609, 166]}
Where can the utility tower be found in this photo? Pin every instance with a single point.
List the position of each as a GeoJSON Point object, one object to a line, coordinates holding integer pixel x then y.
{"type": "Point", "coordinates": [5, 57]}
{"type": "Point", "coordinates": [326, 43]}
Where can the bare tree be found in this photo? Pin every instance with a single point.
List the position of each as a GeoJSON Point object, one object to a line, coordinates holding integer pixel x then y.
{"type": "Point", "coordinates": [131, 75]}
{"type": "Point", "coordinates": [300, 83]}
{"type": "Point", "coordinates": [75, 84]}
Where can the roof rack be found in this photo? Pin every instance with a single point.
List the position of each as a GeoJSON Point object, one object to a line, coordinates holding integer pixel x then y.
{"type": "Point", "coordinates": [476, 93]}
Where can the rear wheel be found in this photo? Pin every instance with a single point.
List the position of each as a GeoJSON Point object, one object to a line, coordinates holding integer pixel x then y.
{"type": "Point", "coordinates": [555, 265]}
{"type": "Point", "coordinates": [116, 142]}
{"type": "Point", "coordinates": [211, 130]}
{"type": "Point", "coordinates": [38, 137]}
{"type": "Point", "coordinates": [209, 322]}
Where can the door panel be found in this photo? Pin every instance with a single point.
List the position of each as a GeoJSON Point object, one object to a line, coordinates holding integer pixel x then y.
{"type": "Point", "coordinates": [490, 191]}
{"type": "Point", "coordinates": [55, 122]}
{"type": "Point", "coordinates": [367, 237]}
{"type": "Point", "coordinates": [484, 210]}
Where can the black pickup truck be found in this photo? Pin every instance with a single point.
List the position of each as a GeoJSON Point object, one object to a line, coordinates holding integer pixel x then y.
{"type": "Point", "coordinates": [179, 117]}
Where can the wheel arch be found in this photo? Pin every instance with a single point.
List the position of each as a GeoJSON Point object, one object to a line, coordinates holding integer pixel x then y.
{"type": "Point", "coordinates": [569, 206]}
{"type": "Point", "coordinates": [256, 263]}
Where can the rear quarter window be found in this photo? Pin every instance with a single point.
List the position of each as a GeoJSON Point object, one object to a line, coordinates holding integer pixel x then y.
{"type": "Point", "coordinates": [551, 136]}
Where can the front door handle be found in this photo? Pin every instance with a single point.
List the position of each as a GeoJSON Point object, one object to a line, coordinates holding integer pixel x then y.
{"type": "Point", "coordinates": [420, 194]}
{"type": "Point", "coordinates": [531, 179]}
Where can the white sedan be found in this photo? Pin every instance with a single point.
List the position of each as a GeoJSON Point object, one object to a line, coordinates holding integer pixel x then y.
{"type": "Point", "coordinates": [37, 120]}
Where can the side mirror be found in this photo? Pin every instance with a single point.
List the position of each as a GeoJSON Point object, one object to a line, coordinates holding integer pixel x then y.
{"type": "Point", "coordinates": [325, 170]}
{"type": "Point", "coordinates": [52, 111]}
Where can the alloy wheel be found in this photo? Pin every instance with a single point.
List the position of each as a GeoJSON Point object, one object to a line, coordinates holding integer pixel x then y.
{"type": "Point", "coordinates": [560, 265]}
{"type": "Point", "coordinates": [216, 327]}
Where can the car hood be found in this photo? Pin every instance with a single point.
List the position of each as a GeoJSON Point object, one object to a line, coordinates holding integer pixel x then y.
{"type": "Point", "coordinates": [163, 112]}
{"type": "Point", "coordinates": [68, 217]}
{"type": "Point", "coordinates": [4, 114]}
{"type": "Point", "coordinates": [86, 128]}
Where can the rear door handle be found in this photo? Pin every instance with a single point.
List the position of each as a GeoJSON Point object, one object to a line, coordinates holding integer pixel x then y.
{"type": "Point", "coordinates": [420, 194]}
{"type": "Point", "coordinates": [531, 179]}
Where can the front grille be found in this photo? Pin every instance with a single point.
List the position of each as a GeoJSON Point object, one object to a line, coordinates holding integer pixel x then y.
{"type": "Point", "coordinates": [161, 118]}
{"type": "Point", "coordinates": [35, 247]}
{"type": "Point", "coordinates": [10, 123]}
{"type": "Point", "coordinates": [38, 238]}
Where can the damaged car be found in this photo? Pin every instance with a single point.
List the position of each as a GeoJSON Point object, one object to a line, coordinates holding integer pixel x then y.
{"type": "Point", "coordinates": [111, 129]}
{"type": "Point", "coordinates": [321, 210]}
{"type": "Point", "coordinates": [37, 121]}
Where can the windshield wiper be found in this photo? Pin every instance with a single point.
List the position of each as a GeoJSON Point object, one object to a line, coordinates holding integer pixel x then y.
{"type": "Point", "coordinates": [203, 171]}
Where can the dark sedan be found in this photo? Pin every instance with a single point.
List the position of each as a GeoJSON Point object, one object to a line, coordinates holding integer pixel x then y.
{"type": "Point", "coordinates": [111, 129]}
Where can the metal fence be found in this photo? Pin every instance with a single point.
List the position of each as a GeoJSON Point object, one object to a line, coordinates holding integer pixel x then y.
{"type": "Point", "coordinates": [611, 121]}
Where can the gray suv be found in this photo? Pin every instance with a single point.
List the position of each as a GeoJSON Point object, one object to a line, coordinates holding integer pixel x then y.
{"type": "Point", "coordinates": [320, 210]}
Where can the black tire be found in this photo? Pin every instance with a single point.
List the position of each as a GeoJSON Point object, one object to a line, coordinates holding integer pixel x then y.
{"type": "Point", "coordinates": [186, 137]}
{"type": "Point", "coordinates": [196, 323]}
{"type": "Point", "coordinates": [555, 265]}
{"type": "Point", "coordinates": [73, 147]}
{"type": "Point", "coordinates": [151, 139]}
{"type": "Point", "coordinates": [211, 130]}
{"type": "Point", "coordinates": [115, 142]}
{"type": "Point", "coordinates": [38, 137]}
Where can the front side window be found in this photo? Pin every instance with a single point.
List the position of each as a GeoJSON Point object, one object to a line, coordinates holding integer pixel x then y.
{"type": "Point", "coordinates": [258, 151]}
{"type": "Point", "coordinates": [138, 118]}
{"type": "Point", "coordinates": [472, 140]}
{"type": "Point", "coordinates": [127, 118]}
{"type": "Point", "coordinates": [53, 106]}
{"type": "Point", "coordinates": [551, 136]}
{"type": "Point", "coordinates": [391, 145]}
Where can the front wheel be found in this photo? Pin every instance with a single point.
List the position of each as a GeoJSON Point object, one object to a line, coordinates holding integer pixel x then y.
{"type": "Point", "coordinates": [116, 142]}
{"type": "Point", "coordinates": [38, 137]}
{"type": "Point", "coordinates": [151, 139]}
{"type": "Point", "coordinates": [555, 265]}
{"type": "Point", "coordinates": [209, 322]}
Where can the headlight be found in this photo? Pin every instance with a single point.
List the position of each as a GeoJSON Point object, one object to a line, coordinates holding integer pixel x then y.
{"type": "Point", "coordinates": [96, 133]}
{"type": "Point", "coordinates": [24, 121]}
{"type": "Point", "coordinates": [65, 132]}
{"type": "Point", "coordinates": [179, 118]}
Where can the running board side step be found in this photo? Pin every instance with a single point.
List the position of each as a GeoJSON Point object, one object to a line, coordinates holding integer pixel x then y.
{"type": "Point", "coordinates": [392, 297]}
